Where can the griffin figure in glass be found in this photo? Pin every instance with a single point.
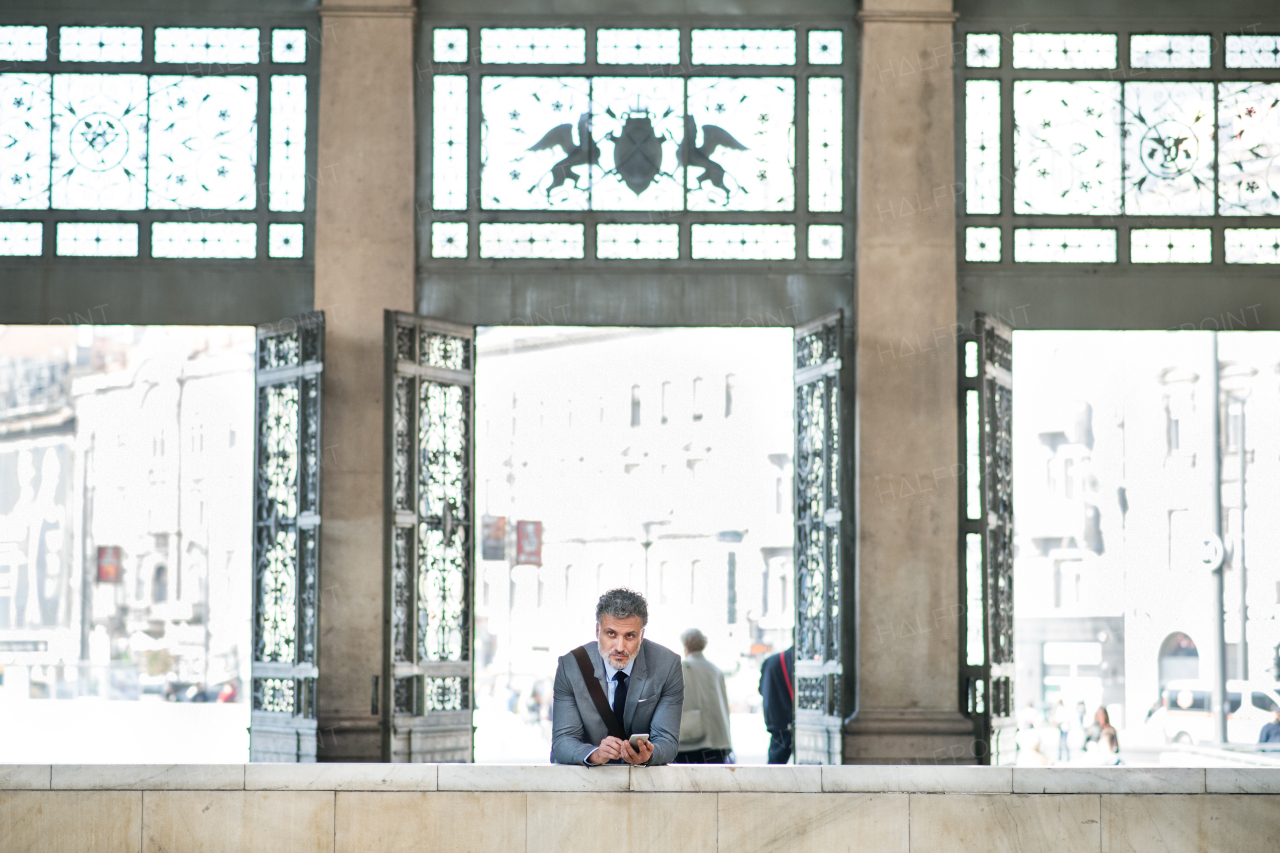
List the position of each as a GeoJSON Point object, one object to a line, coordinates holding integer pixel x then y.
{"type": "Point", "coordinates": [699, 156]}
{"type": "Point", "coordinates": [584, 153]}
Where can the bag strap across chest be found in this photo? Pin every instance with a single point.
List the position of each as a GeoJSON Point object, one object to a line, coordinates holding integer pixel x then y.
{"type": "Point", "coordinates": [612, 723]}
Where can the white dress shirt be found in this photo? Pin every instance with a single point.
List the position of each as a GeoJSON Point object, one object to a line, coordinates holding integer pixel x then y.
{"type": "Point", "coordinates": [611, 686]}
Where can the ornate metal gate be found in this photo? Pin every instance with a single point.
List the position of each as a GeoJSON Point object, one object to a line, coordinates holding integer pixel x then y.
{"type": "Point", "coordinates": [987, 537]}
{"type": "Point", "coordinates": [819, 671]}
{"type": "Point", "coordinates": [427, 669]}
{"type": "Point", "coordinates": [286, 539]}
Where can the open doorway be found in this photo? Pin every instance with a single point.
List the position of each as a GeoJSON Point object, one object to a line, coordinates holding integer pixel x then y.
{"type": "Point", "coordinates": [656, 459]}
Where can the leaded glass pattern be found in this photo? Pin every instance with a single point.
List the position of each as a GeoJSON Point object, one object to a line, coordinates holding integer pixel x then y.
{"type": "Point", "coordinates": [1170, 246]}
{"type": "Point", "coordinates": [538, 150]}
{"type": "Point", "coordinates": [449, 239]}
{"type": "Point", "coordinates": [277, 595]}
{"type": "Point", "coordinates": [288, 46]}
{"type": "Point", "coordinates": [982, 244]}
{"type": "Point", "coordinates": [826, 150]}
{"type": "Point", "coordinates": [533, 46]}
{"type": "Point", "coordinates": [739, 143]}
{"type": "Point", "coordinates": [207, 45]}
{"type": "Point", "coordinates": [203, 143]}
{"type": "Point", "coordinates": [1154, 51]}
{"type": "Point", "coordinates": [1066, 147]}
{"type": "Point", "coordinates": [637, 47]}
{"type": "Point", "coordinates": [443, 350]}
{"type": "Point", "coordinates": [1168, 133]}
{"type": "Point", "coordinates": [204, 240]}
{"type": "Point", "coordinates": [286, 182]}
{"type": "Point", "coordinates": [744, 242]}
{"type": "Point", "coordinates": [401, 594]}
{"type": "Point", "coordinates": [446, 694]}
{"type": "Point", "coordinates": [1064, 50]}
{"type": "Point", "coordinates": [826, 242]}
{"type": "Point", "coordinates": [1249, 148]}
{"type": "Point", "coordinates": [449, 151]}
{"type": "Point", "coordinates": [1243, 51]}
{"type": "Point", "coordinates": [23, 44]}
{"type": "Point", "coordinates": [1253, 245]}
{"type": "Point", "coordinates": [284, 240]}
{"type": "Point", "coordinates": [982, 146]}
{"type": "Point", "coordinates": [24, 140]}
{"type": "Point", "coordinates": [1064, 245]}
{"type": "Point", "coordinates": [449, 44]}
{"type": "Point", "coordinates": [273, 694]}
{"type": "Point", "coordinates": [531, 240]}
{"type": "Point", "coordinates": [97, 239]}
{"type": "Point", "coordinates": [99, 141]}
{"type": "Point", "coordinates": [21, 239]}
{"type": "Point", "coordinates": [744, 47]}
{"type": "Point", "coordinates": [632, 241]}
{"type": "Point", "coordinates": [982, 50]}
{"type": "Point", "coordinates": [100, 44]}
{"type": "Point", "coordinates": [826, 47]}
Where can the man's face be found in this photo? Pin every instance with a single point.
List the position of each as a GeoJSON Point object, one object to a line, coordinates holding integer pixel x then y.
{"type": "Point", "coordinates": [619, 639]}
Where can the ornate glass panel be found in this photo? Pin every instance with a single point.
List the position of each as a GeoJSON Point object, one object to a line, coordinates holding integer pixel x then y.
{"type": "Point", "coordinates": [406, 694]}
{"type": "Point", "coordinates": [1252, 51]}
{"type": "Point", "coordinates": [277, 595]}
{"type": "Point", "coordinates": [273, 694]}
{"type": "Point", "coordinates": [634, 240]}
{"type": "Point", "coordinates": [402, 594]}
{"type": "Point", "coordinates": [449, 239]}
{"type": "Point", "coordinates": [402, 444]}
{"type": "Point", "coordinates": [637, 123]}
{"type": "Point", "coordinates": [447, 351]}
{"type": "Point", "coordinates": [207, 45]}
{"type": "Point", "coordinates": [449, 44]}
{"type": "Point", "coordinates": [286, 180]}
{"type": "Point", "coordinates": [998, 437]}
{"type": "Point", "coordinates": [1170, 51]}
{"type": "Point", "coordinates": [982, 146]}
{"type": "Point", "coordinates": [24, 140]}
{"type": "Point", "coordinates": [826, 47]}
{"type": "Point", "coordinates": [1168, 133]}
{"type": "Point", "coordinates": [538, 46]}
{"type": "Point", "coordinates": [442, 616]}
{"type": "Point", "coordinates": [531, 240]}
{"type": "Point", "coordinates": [740, 143]}
{"type": "Point", "coordinates": [982, 50]}
{"type": "Point", "coordinates": [982, 245]}
{"type": "Point", "coordinates": [308, 593]}
{"type": "Point", "coordinates": [24, 239]}
{"type": "Point", "coordinates": [443, 534]}
{"type": "Point", "coordinates": [811, 492]}
{"type": "Point", "coordinates": [442, 443]}
{"type": "Point", "coordinates": [1253, 245]}
{"type": "Point", "coordinates": [278, 351]}
{"type": "Point", "coordinates": [826, 242]}
{"type": "Point", "coordinates": [99, 141]}
{"type": "Point", "coordinates": [284, 240]}
{"type": "Point", "coordinates": [744, 47]}
{"type": "Point", "coordinates": [97, 239]}
{"type": "Point", "coordinates": [1170, 246]}
{"type": "Point", "coordinates": [1064, 245]}
{"type": "Point", "coordinates": [637, 47]}
{"type": "Point", "coordinates": [744, 242]}
{"type": "Point", "coordinates": [975, 633]}
{"type": "Point", "coordinates": [204, 240]}
{"type": "Point", "coordinates": [203, 143]}
{"type": "Point", "coordinates": [826, 150]}
{"type": "Point", "coordinates": [537, 149]}
{"type": "Point", "coordinates": [1064, 50]}
{"type": "Point", "coordinates": [447, 694]}
{"type": "Point", "coordinates": [23, 44]}
{"type": "Point", "coordinates": [278, 450]}
{"type": "Point", "coordinates": [288, 46]}
{"type": "Point", "coordinates": [973, 447]}
{"type": "Point", "coordinates": [1249, 148]}
{"type": "Point", "coordinates": [100, 44]}
{"type": "Point", "coordinates": [1066, 147]}
{"type": "Point", "coordinates": [449, 180]}
{"type": "Point", "coordinates": [811, 694]}
{"type": "Point", "coordinates": [309, 469]}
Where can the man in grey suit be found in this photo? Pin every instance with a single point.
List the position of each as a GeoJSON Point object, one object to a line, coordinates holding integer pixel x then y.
{"type": "Point", "coordinates": [640, 684]}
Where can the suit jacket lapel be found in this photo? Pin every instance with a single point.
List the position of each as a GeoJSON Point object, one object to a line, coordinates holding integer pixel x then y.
{"type": "Point", "coordinates": [635, 688]}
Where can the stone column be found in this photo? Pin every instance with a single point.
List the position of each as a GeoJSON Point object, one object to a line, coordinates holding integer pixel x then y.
{"type": "Point", "coordinates": [907, 432]}
{"type": "Point", "coordinates": [364, 264]}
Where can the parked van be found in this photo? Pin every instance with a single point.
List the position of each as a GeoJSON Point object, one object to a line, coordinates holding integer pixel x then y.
{"type": "Point", "coordinates": [1188, 710]}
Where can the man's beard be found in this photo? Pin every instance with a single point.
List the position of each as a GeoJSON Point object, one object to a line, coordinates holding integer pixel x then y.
{"type": "Point", "coordinates": [618, 666]}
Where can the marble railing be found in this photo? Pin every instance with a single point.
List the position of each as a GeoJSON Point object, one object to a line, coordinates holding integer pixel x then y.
{"type": "Point", "coordinates": [386, 808]}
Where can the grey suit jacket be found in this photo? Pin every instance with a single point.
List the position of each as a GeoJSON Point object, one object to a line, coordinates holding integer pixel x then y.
{"type": "Point", "coordinates": [655, 694]}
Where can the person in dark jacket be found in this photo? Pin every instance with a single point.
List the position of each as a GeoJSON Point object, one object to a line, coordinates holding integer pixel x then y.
{"type": "Point", "coordinates": [777, 688]}
{"type": "Point", "coordinates": [1271, 731]}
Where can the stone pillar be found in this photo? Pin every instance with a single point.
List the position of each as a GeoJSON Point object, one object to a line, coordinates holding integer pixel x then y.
{"type": "Point", "coordinates": [907, 432]}
{"type": "Point", "coordinates": [364, 264]}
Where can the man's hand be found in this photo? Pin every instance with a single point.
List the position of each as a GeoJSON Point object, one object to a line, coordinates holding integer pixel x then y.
{"type": "Point", "coordinates": [639, 755]}
{"type": "Point", "coordinates": [609, 749]}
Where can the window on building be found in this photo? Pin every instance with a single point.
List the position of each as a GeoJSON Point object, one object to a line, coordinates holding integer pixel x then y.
{"type": "Point", "coordinates": [728, 394]}
{"type": "Point", "coordinates": [697, 398]}
{"type": "Point", "coordinates": [160, 585]}
{"type": "Point", "coordinates": [635, 405]}
{"type": "Point", "coordinates": [666, 388]}
{"type": "Point", "coordinates": [732, 588]}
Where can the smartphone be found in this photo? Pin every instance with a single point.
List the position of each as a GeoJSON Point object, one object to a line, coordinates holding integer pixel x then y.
{"type": "Point", "coordinates": [636, 740]}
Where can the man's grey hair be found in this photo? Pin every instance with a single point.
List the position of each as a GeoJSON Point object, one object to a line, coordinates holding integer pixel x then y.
{"type": "Point", "coordinates": [623, 603]}
{"type": "Point", "coordinates": [694, 640]}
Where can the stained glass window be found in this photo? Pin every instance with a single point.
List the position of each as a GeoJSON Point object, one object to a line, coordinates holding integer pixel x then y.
{"type": "Point", "coordinates": [744, 47]}
{"type": "Point", "coordinates": [23, 44]}
{"type": "Point", "coordinates": [744, 242]}
{"type": "Point", "coordinates": [826, 242]}
{"type": "Point", "coordinates": [982, 146]}
{"type": "Point", "coordinates": [284, 240]}
{"type": "Point", "coordinates": [541, 46]}
{"type": "Point", "coordinates": [448, 239]}
{"type": "Point", "coordinates": [826, 47]}
{"type": "Point", "coordinates": [449, 156]}
{"type": "Point", "coordinates": [203, 142]}
{"type": "Point", "coordinates": [100, 44]}
{"type": "Point", "coordinates": [637, 47]}
{"type": "Point", "coordinates": [531, 240]}
{"type": "Point", "coordinates": [826, 137]}
{"type": "Point", "coordinates": [21, 238]}
{"type": "Point", "coordinates": [1170, 51]}
{"type": "Point", "coordinates": [1066, 147]}
{"type": "Point", "coordinates": [98, 239]}
{"type": "Point", "coordinates": [449, 45]}
{"type": "Point", "coordinates": [982, 244]}
{"type": "Point", "coordinates": [982, 50]}
{"type": "Point", "coordinates": [1168, 148]}
{"type": "Point", "coordinates": [1252, 51]}
{"type": "Point", "coordinates": [538, 147]}
{"type": "Point", "coordinates": [740, 143]}
{"type": "Point", "coordinates": [24, 140]}
{"type": "Point", "coordinates": [201, 45]}
{"type": "Point", "coordinates": [1253, 245]}
{"type": "Point", "coordinates": [635, 241]}
{"type": "Point", "coordinates": [1170, 246]}
{"type": "Point", "coordinates": [287, 181]}
{"type": "Point", "coordinates": [204, 240]}
{"type": "Point", "coordinates": [288, 46]}
{"type": "Point", "coordinates": [99, 141]}
{"type": "Point", "coordinates": [1064, 245]}
{"type": "Point", "coordinates": [1064, 50]}
{"type": "Point", "coordinates": [1249, 148]}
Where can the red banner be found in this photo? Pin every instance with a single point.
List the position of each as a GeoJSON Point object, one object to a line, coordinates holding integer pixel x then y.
{"type": "Point", "coordinates": [528, 543]}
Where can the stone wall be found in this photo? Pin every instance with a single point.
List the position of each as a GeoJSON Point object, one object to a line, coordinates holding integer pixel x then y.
{"type": "Point", "coordinates": [385, 808]}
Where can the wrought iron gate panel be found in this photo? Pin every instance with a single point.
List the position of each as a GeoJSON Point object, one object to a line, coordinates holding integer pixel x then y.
{"type": "Point", "coordinates": [818, 578]}
{"type": "Point", "coordinates": [286, 539]}
{"type": "Point", "coordinates": [428, 668]}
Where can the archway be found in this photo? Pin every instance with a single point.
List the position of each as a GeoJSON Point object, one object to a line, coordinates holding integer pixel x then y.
{"type": "Point", "coordinates": [1178, 658]}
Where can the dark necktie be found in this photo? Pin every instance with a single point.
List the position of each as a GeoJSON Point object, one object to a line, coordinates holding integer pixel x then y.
{"type": "Point", "coordinates": [620, 695]}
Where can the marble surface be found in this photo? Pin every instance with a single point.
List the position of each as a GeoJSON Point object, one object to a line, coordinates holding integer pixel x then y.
{"type": "Point", "coordinates": [63, 821]}
{"type": "Point", "coordinates": [402, 822]}
{"type": "Point", "coordinates": [621, 823]}
{"type": "Point", "coordinates": [340, 777]}
{"type": "Point", "coordinates": [1173, 823]}
{"type": "Point", "coordinates": [531, 777]}
{"type": "Point", "coordinates": [18, 777]}
{"type": "Point", "coordinates": [1004, 823]}
{"type": "Point", "coordinates": [237, 821]}
{"type": "Point", "coordinates": [705, 777]}
{"type": "Point", "coordinates": [917, 778]}
{"type": "Point", "coordinates": [1108, 780]}
{"type": "Point", "coordinates": [813, 823]}
{"type": "Point", "coordinates": [148, 777]}
{"type": "Point", "coordinates": [1242, 780]}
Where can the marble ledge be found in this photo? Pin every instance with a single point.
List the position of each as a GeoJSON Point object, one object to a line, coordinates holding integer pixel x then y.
{"type": "Point", "coordinates": [148, 777]}
{"type": "Point", "coordinates": [916, 779]}
{"type": "Point", "coordinates": [1108, 780]}
{"type": "Point", "coordinates": [703, 778]}
{"type": "Point", "coordinates": [1242, 780]}
{"type": "Point", "coordinates": [25, 777]}
{"type": "Point", "coordinates": [532, 777]}
{"type": "Point", "coordinates": [340, 777]}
